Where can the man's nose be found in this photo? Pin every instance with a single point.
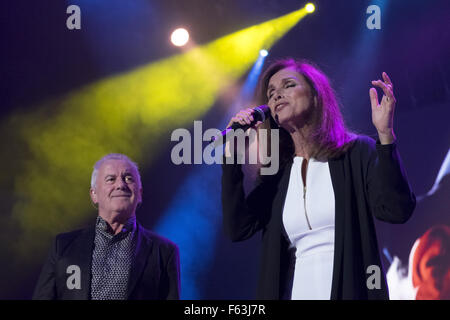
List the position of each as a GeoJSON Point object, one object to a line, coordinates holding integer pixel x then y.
{"type": "Point", "coordinates": [121, 184]}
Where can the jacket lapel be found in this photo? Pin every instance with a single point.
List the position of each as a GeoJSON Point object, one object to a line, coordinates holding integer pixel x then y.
{"type": "Point", "coordinates": [82, 253]}
{"type": "Point", "coordinates": [281, 195]}
{"type": "Point", "coordinates": [338, 180]}
{"type": "Point", "coordinates": [141, 253]}
{"type": "Point", "coordinates": [285, 267]}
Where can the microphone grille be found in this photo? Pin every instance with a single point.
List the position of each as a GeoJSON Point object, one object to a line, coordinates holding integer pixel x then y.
{"type": "Point", "coordinates": [263, 112]}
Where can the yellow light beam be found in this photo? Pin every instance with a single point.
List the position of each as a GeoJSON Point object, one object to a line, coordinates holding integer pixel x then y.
{"type": "Point", "coordinates": [127, 113]}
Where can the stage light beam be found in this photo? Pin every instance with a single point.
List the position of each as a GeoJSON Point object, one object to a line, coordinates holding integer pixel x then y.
{"type": "Point", "coordinates": [61, 138]}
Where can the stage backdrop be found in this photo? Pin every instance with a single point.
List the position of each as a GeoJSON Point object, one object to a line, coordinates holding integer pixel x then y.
{"type": "Point", "coordinates": [111, 81]}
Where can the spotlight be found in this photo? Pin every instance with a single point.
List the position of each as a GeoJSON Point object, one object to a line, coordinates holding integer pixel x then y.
{"type": "Point", "coordinates": [310, 8]}
{"type": "Point", "coordinates": [263, 53]}
{"type": "Point", "coordinates": [179, 37]}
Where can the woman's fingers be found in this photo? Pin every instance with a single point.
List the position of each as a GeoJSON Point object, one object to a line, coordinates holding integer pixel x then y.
{"type": "Point", "coordinates": [387, 89]}
{"type": "Point", "coordinates": [239, 119]}
{"type": "Point", "coordinates": [243, 117]}
{"type": "Point", "coordinates": [387, 80]}
{"type": "Point", "coordinates": [380, 84]}
{"type": "Point", "coordinates": [386, 86]}
{"type": "Point", "coordinates": [247, 115]}
{"type": "Point", "coordinates": [373, 97]}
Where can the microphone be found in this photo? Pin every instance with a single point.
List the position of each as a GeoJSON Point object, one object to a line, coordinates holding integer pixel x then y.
{"type": "Point", "coordinates": [260, 114]}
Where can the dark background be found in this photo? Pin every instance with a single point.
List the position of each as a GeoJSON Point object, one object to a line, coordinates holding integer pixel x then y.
{"type": "Point", "coordinates": [41, 59]}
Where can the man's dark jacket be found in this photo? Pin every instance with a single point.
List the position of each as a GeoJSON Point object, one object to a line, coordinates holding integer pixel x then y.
{"type": "Point", "coordinates": [368, 180]}
{"type": "Point", "coordinates": [154, 274]}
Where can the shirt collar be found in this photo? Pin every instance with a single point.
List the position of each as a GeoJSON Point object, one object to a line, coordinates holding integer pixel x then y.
{"type": "Point", "coordinates": [102, 225]}
{"type": "Point", "coordinates": [300, 159]}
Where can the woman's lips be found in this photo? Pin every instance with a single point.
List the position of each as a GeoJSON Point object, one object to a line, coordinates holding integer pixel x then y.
{"type": "Point", "coordinates": [280, 106]}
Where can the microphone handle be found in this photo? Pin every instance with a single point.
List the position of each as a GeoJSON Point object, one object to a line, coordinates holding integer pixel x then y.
{"type": "Point", "coordinates": [259, 115]}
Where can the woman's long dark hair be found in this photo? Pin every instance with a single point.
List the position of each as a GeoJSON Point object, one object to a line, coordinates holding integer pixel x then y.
{"type": "Point", "coordinates": [330, 137]}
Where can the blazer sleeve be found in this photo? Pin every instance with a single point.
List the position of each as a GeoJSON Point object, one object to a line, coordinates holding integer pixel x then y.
{"type": "Point", "coordinates": [243, 216]}
{"type": "Point", "coordinates": [172, 278]}
{"type": "Point", "coordinates": [46, 286]}
{"type": "Point", "coordinates": [390, 195]}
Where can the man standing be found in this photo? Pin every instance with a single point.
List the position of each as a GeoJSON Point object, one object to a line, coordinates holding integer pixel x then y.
{"type": "Point", "coordinates": [117, 259]}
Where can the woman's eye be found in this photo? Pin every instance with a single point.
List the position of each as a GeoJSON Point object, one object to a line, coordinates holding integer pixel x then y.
{"type": "Point", "coordinates": [129, 179]}
{"type": "Point", "coordinates": [290, 84]}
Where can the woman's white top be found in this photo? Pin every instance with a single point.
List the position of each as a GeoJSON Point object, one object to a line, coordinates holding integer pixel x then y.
{"type": "Point", "coordinates": [311, 231]}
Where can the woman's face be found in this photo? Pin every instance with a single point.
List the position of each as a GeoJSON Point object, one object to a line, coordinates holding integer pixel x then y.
{"type": "Point", "coordinates": [289, 98]}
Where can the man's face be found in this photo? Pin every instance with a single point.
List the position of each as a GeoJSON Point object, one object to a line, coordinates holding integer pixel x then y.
{"type": "Point", "coordinates": [117, 188]}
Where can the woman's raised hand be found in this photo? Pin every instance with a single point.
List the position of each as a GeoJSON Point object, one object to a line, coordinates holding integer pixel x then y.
{"type": "Point", "coordinates": [383, 112]}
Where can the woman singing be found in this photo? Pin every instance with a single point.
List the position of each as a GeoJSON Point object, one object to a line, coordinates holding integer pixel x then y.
{"type": "Point", "coordinates": [315, 214]}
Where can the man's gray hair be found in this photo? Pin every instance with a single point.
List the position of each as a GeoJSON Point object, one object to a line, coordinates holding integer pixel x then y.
{"type": "Point", "coordinates": [114, 156]}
